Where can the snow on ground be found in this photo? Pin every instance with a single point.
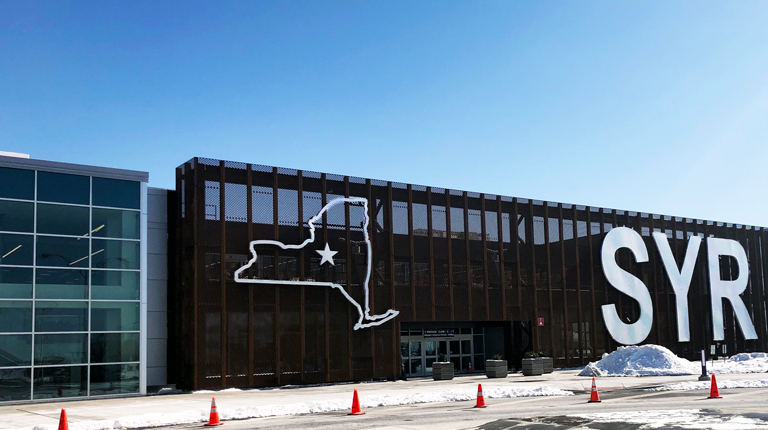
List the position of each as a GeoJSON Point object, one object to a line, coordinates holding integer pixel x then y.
{"type": "Point", "coordinates": [655, 360]}
{"type": "Point", "coordinates": [683, 419]}
{"type": "Point", "coordinates": [754, 362]}
{"type": "Point", "coordinates": [706, 385]}
{"type": "Point", "coordinates": [286, 387]}
{"type": "Point", "coordinates": [644, 360]}
{"type": "Point", "coordinates": [227, 390]}
{"type": "Point", "coordinates": [201, 415]}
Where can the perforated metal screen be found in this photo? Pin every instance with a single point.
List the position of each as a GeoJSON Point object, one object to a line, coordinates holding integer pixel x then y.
{"type": "Point", "coordinates": [438, 256]}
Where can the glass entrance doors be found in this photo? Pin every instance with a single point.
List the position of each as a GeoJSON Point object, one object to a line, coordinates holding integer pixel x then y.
{"type": "Point", "coordinates": [419, 351]}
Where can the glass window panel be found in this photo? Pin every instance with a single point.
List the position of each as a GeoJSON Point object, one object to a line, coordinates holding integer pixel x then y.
{"type": "Point", "coordinates": [478, 343]}
{"type": "Point", "coordinates": [63, 188]}
{"type": "Point", "coordinates": [430, 361]}
{"type": "Point", "coordinates": [16, 249]}
{"type": "Point", "coordinates": [61, 284]}
{"type": "Point", "coordinates": [62, 219]}
{"type": "Point", "coordinates": [15, 350]}
{"type": "Point", "coordinates": [466, 347]}
{"type": "Point", "coordinates": [15, 283]}
{"type": "Point", "coordinates": [456, 363]}
{"type": "Point", "coordinates": [442, 347]}
{"type": "Point", "coordinates": [115, 254]}
{"type": "Point", "coordinates": [415, 349]}
{"type": "Point", "coordinates": [14, 384]}
{"type": "Point", "coordinates": [430, 348]}
{"type": "Point", "coordinates": [454, 344]}
{"type": "Point", "coordinates": [116, 193]}
{"type": "Point", "coordinates": [115, 223]}
{"type": "Point", "coordinates": [479, 363]}
{"type": "Point", "coordinates": [114, 285]}
{"type": "Point", "coordinates": [114, 347]}
{"type": "Point", "coordinates": [15, 316]}
{"type": "Point", "coordinates": [114, 379]}
{"type": "Point", "coordinates": [416, 368]}
{"type": "Point", "coordinates": [404, 349]}
{"type": "Point", "coordinates": [61, 349]}
{"type": "Point", "coordinates": [56, 382]}
{"type": "Point", "coordinates": [17, 216]}
{"type": "Point", "coordinates": [61, 316]}
{"type": "Point", "coordinates": [62, 251]}
{"type": "Point", "coordinates": [17, 183]}
{"type": "Point", "coordinates": [465, 363]}
{"type": "Point", "coordinates": [114, 316]}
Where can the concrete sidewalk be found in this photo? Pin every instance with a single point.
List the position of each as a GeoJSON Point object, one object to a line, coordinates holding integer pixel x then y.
{"type": "Point", "coordinates": [47, 414]}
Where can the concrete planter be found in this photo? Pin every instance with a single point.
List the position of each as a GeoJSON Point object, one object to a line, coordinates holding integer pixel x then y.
{"type": "Point", "coordinates": [442, 371]}
{"type": "Point", "coordinates": [533, 366]}
{"type": "Point", "coordinates": [496, 368]}
{"type": "Point", "coordinates": [547, 364]}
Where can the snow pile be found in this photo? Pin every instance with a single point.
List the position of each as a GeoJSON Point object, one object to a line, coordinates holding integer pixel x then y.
{"type": "Point", "coordinates": [655, 360]}
{"type": "Point", "coordinates": [746, 356]}
{"type": "Point", "coordinates": [706, 385]}
{"type": "Point", "coordinates": [754, 362]}
{"type": "Point", "coordinates": [644, 360]}
{"type": "Point", "coordinates": [201, 415]}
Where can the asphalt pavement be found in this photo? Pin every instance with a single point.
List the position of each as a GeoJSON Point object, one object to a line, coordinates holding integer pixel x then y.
{"type": "Point", "coordinates": [614, 390]}
{"type": "Point", "coordinates": [544, 413]}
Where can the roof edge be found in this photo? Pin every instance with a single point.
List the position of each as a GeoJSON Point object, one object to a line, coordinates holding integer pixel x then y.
{"type": "Point", "coordinates": [75, 169]}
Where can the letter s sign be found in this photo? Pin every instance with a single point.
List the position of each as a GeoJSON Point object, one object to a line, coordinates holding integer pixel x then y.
{"type": "Point", "coordinates": [627, 334]}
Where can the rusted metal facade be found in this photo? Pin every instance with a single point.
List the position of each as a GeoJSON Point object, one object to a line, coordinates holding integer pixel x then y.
{"type": "Point", "coordinates": [439, 256]}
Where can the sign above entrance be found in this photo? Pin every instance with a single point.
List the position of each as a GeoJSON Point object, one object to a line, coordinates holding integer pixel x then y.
{"type": "Point", "coordinates": [441, 332]}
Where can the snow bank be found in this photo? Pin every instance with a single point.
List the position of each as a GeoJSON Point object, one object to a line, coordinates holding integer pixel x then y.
{"type": "Point", "coordinates": [644, 360]}
{"type": "Point", "coordinates": [201, 415]}
{"type": "Point", "coordinates": [746, 356]}
{"type": "Point", "coordinates": [227, 390]}
{"type": "Point", "coordinates": [754, 362]}
{"type": "Point", "coordinates": [706, 385]}
{"type": "Point", "coordinates": [655, 360]}
{"type": "Point", "coordinates": [390, 400]}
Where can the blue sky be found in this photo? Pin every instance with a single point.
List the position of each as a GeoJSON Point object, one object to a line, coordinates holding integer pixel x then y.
{"type": "Point", "coordinates": [654, 106]}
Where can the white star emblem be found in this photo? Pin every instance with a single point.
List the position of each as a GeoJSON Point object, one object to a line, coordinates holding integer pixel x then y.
{"type": "Point", "coordinates": [327, 255]}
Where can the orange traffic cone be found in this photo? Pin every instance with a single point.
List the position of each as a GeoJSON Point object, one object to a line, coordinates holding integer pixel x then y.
{"type": "Point", "coordinates": [356, 406]}
{"type": "Point", "coordinates": [480, 397]}
{"type": "Point", "coordinates": [63, 425]}
{"type": "Point", "coordinates": [594, 398]}
{"type": "Point", "coordinates": [714, 393]}
{"type": "Point", "coordinates": [214, 419]}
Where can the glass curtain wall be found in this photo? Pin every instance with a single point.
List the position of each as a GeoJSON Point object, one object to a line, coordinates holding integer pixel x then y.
{"type": "Point", "coordinates": [69, 285]}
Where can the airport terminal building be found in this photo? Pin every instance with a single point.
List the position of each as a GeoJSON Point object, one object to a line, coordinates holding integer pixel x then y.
{"type": "Point", "coordinates": [250, 276]}
{"type": "Point", "coordinates": [73, 280]}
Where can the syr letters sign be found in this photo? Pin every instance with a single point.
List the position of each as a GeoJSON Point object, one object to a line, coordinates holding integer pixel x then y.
{"type": "Point", "coordinates": [634, 333]}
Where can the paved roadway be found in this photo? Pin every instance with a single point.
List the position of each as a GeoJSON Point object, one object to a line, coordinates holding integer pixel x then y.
{"type": "Point", "coordinates": [538, 413]}
{"type": "Point", "coordinates": [432, 415]}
